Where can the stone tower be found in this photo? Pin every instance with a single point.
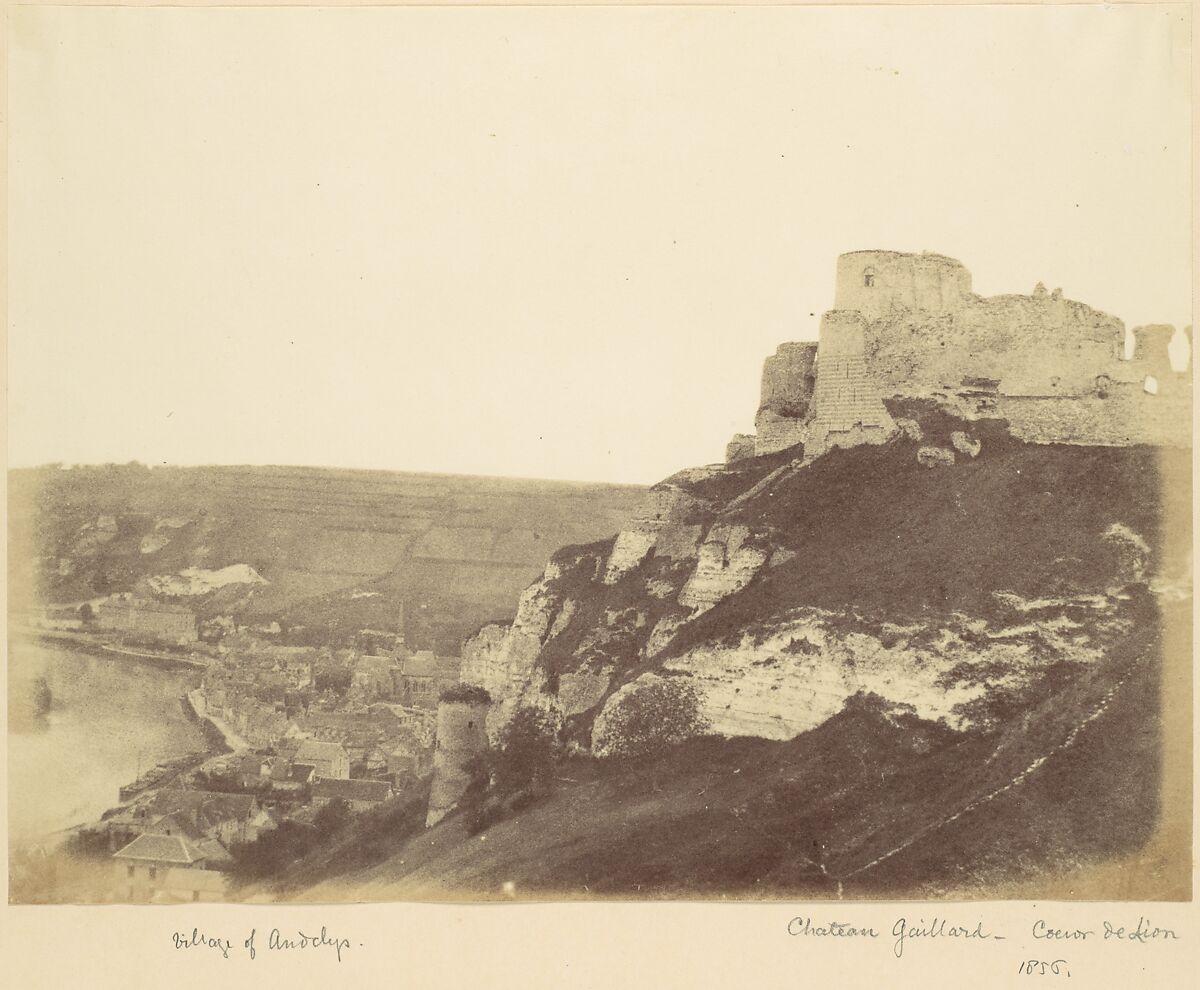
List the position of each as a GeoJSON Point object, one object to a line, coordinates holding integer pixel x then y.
{"type": "Point", "coordinates": [1152, 349]}
{"type": "Point", "coordinates": [847, 405]}
{"type": "Point", "coordinates": [875, 282]}
{"type": "Point", "coordinates": [461, 737]}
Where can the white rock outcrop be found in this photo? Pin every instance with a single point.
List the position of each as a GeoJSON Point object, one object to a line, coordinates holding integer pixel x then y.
{"type": "Point", "coordinates": [501, 659]}
{"type": "Point", "coordinates": [198, 581]}
{"type": "Point", "coordinates": [664, 509]}
{"type": "Point", "coordinates": [725, 564]}
{"type": "Point", "coordinates": [801, 673]}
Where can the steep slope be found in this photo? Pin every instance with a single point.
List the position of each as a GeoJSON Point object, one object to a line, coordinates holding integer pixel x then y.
{"type": "Point", "coordinates": [870, 804]}
{"type": "Point", "coordinates": [781, 588]}
{"type": "Point", "coordinates": [955, 677]}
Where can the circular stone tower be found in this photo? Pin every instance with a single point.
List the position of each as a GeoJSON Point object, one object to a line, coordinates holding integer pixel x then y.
{"type": "Point", "coordinates": [461, 737]}
{"type": "Point", "coordinates": [874, 282]}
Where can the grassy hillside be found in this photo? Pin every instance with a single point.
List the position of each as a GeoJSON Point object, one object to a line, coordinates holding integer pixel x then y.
{"type": "Point", "coordinates": [812, 817]}
{"type": "Point", "coordinates": [1060, 786]}
{"type": "Point", "coordinates": [875, 538]}
{"type": "Point", "coordinates": [340, 549]}
{"type": "Point", "coordinates": [875, 531]}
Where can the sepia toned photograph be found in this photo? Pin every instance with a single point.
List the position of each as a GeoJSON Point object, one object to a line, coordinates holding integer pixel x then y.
{"type": "Point", "coordinates": [593, 454]}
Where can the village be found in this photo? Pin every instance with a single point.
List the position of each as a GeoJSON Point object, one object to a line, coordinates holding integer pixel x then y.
{"type": "Point", "coordinates": [300, 730]}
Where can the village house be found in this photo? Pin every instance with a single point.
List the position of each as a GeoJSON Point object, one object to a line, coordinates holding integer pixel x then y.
{"type": "Point", "coordinates": [250, 770]}
{"type": "Point", "coordinates": [373, 678]}
{"type": "Point", "coordinates": [360, 795]}
{"type": "Point", "coordinates": [229, 818]}
{"type": "Point", "coordinates": [424, 676]}
{"type": "Point", "coordinates": [194, 815]}
{"type": "Point", "coordinates": [163, 869]}
{"type": "Point", "coordinates": [291, 778]}
{"type": "Point", "coordinates": [328, 760]}
{"type": "Point", "coordinates": [126, 613]}
{"type": "Point", "coordinates": [299, 673]}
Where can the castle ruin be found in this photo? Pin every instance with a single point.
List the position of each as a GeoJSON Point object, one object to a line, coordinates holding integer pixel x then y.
{"type": "Point", "coordinates": [461, 738]}
{"type": "Point", "coordinates": [909, 326]}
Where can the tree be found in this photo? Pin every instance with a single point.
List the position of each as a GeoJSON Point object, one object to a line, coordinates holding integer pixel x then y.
{"type": "Point", "coordinates": [529, 747]}
{"type": "Point", "coordinates": [332, 818]}
{"type": "Point", "coordinates": [662, 713]}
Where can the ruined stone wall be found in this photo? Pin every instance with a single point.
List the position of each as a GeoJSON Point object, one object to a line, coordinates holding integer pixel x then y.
{"type": "Point", "coordinates": [740, 447]}
{"type": "Point", "coordinates": [788, 379]}
{"type": "Point", "coordinates": [775, 432]}
{"type": "Point", "coordinates": [1031, 345]}
{"type": "Point", "coordinates": [461, 736]}
{"type": "Point", "coordinates": [847, 402]}
{"type": "Point", "coordinates": [1127, 415]}
{"type": "Point", "coordinates": [909, 325]}
{"type": "Point", "coordinates": [876, 282]}
{"type": "Point", "coordinates": [1151, 350]}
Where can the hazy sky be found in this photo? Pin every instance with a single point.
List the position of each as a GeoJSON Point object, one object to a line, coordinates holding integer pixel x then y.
{"type": "Point", "coordinates": [550, 243]}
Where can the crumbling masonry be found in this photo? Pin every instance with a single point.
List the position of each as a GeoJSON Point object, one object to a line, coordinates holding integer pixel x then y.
{"type": "Point", "coordinates": [908, 325]}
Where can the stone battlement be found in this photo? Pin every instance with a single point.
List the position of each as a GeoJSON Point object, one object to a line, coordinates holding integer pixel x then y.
{"type": "Point", "coordinates": [908, 325]}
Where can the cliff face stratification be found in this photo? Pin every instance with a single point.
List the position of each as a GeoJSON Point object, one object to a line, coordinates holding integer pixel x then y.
{"type": "Point", "coordinates": [925, 634]}
{"type": "Point", "coordinates": [952, 505]}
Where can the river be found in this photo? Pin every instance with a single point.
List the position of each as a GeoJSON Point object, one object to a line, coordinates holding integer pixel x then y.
{"type": "Point", "coordinates": [109, 719]}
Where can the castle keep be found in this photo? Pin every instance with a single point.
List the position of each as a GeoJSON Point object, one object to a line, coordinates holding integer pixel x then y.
{"type": "Point", "coordinates": [461, 738]}
{"type": "Point", "coordinates": [909, 326]}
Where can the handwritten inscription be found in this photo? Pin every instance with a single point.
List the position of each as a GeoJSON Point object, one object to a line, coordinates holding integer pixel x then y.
{"type": "Point", "coordinates": [938, 928]}
{"type": "Point", "coordinates": [828, 929]}
{"type": "Point", "coordinates": [1039, 967]}
{"type": "Point", "coordinates": [1143, 932]}
{"type": "Point", "coordinates": [276, 941]}
{"type": "Point", "coordinates": [902, 931]}
{"type": "Point", "coordinates": [198, 940]}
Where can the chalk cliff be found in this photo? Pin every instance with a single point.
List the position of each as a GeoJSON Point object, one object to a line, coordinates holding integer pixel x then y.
{"type": "Point", "coordinates": [938, 512]}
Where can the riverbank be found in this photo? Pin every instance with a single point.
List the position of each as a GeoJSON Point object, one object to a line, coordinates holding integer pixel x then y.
{"type": "Point", "coordinates": [227, 741]}
{"type": "Point", "coordinates": [111, 720]}
{"type": "Point", "coordinates": [90, 644]}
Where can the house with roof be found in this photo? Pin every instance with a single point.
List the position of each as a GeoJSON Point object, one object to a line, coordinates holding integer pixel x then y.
{"type": "Point", "coordinates": [250, 769]}
{"type": "Point", "coordinates": [424, 676]}
{"type": "Point", "coordinates": [165, 868]}
{"type": "Point", "coordinates": [175, 823]}
{"type": "Point", "coordinates": [373, 677]}
{"type": "Point", "coordinates": [288, 777]}
{"type": "Point", "coordinates": [138, 616]}
{"type": "Point", "coordinates": [228, 818]}
{"type": "Point", "coordinates": [360, 795]}
{"type": "Point", "coordinates": [329, 760]}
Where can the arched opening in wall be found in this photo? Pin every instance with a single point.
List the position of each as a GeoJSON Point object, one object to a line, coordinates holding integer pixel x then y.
{"type": "Point", "coordinates": [1103, 384]}
{"type": "Point", "coordinates": [1151, 385]}
{"type": "Point", "coordinates": [869, 277]}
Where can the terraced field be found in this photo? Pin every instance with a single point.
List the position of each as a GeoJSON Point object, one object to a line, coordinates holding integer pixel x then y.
{"type": "Point", "coordinates": [338, 547]}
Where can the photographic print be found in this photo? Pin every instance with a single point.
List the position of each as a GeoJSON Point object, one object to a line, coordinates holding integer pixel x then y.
{"type": "Point", "coordinates": [556, 454]}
